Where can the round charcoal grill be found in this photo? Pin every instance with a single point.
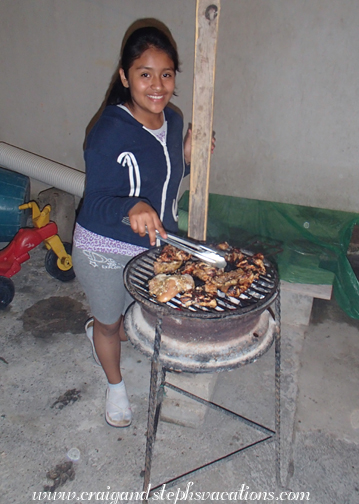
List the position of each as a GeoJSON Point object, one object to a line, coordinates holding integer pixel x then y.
{"type": "Point", "coordinates": [259, 295]}
{"type": "Point", "coordinates": [196, 338]}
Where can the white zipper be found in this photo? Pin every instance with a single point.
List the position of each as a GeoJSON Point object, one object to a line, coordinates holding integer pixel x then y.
{"type": "Point", "coordinates": [168, 163]}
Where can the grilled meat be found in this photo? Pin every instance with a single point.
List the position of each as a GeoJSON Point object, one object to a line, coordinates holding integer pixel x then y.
{"type": "Point", "coordinates": [170, 260]}
{"type": "Point", "coordinates": [205, 298]}
{"type": "Point", "coordinates": [199, 297]}
{"type": "Point", "coordinates": [258, 261]}
{"type": "Point", "coordinates": [165, 287]}
{"type": "Point", "coordinates": [205, 272]}
{"type": "Point", "coordinates": [170, 253]}
{"type": "Point", "coordinates": [206, 280]}
{"type": "Point", "coordinates": [238, 289]}
{"type": "Point", "coordinates": [223, 246]}
{"type": "Point", "coordinates": [234, 257]}
{"type": "Point", "coordinates": [166, 267]}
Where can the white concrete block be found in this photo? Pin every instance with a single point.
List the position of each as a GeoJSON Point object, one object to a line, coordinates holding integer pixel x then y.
{"type": "Point", "coordinates": [182, 410]}
{"type": "Point", "coordinates": [297, 301]}
{"type": "Point", "coordinates": [295, 308]}
{"type": "Point", "coordinates": [315, 291]}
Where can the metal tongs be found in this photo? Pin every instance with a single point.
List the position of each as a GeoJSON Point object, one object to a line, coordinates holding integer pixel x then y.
{"type": "Point", "coordinates": [207, 254]}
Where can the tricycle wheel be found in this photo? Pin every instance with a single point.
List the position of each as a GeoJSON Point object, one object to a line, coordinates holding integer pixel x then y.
{"type": "Point", "coordinates": [53, 269]}
{"type": "Point", "coordinates": [7, 291]}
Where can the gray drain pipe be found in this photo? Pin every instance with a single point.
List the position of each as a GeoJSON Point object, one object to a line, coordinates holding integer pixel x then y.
{"type": "Point", "coordinates": [42, 169]}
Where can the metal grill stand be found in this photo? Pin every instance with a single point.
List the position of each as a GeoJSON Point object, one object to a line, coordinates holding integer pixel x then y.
{"type": "Point", "coordinates": [158, 384]}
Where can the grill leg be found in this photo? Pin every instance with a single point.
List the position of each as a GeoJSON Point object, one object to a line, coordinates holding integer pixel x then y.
{"type": "Point", "coordinates": [153, 408]}
{"type": "Point", "coordinates": [160, 394]}
{"type": "Point", "coordinates": [277, 391]}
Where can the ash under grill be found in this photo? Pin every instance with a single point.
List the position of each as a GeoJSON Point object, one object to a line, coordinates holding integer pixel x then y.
{"type": "Point", "coordinates": [258, 296]}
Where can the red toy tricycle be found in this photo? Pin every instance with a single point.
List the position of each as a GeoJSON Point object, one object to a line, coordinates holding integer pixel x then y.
{"type": "Point", "coordinates": [58, 261]}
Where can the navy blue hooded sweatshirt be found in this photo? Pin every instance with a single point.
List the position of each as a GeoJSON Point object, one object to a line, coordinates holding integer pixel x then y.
{"type": "Point", "coordinates": [125, 164]}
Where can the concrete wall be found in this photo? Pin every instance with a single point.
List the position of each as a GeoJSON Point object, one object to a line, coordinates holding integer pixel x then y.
{"type": "Point", "coordinates": [286, 97]}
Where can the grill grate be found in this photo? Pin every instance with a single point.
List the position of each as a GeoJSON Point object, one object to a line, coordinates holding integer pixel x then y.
{"type": "Point", "coordinates": [140, 270]}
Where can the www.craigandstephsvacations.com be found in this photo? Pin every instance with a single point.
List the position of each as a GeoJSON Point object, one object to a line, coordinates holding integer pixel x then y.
{"type": "Point", "coordinates": [162, 494]}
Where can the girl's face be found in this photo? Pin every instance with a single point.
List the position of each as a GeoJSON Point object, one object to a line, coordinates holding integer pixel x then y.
{"type": "Point", "coordinates": [151, 80]}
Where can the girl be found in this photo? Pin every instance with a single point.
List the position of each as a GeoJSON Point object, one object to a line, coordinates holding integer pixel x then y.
{"type": "Point", "coordinates": [135, 161]}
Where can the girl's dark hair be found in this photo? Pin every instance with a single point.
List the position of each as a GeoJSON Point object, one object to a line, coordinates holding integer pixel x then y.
{"type": "Point", "coordinates": [137, 43]}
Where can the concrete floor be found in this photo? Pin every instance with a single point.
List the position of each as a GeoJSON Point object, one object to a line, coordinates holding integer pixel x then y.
{"type": "Point", "coordinates": [44, 353]}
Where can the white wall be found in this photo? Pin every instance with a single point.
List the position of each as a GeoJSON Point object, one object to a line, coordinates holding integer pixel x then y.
{"type": "Point", "coordinates": [286, 98]}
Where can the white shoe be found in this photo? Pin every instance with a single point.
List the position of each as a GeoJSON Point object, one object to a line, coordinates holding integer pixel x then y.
{"type": "Point", "coordinates": [117, 416]}
{"type": "Point", "coordinates": [89, 334]}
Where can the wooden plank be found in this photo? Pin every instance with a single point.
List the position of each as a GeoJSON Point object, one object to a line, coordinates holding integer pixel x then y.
{"type": "Point", "coordinates": [207, 17]}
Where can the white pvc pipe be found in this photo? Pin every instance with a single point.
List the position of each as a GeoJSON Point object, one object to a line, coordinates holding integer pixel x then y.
{"type": "Point", "coordinates": [42, 169]}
